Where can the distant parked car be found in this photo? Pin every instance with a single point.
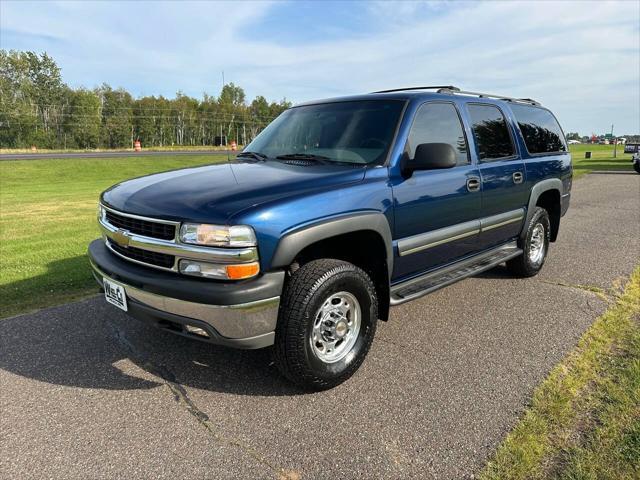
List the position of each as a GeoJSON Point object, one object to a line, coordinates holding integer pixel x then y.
{"type": "Point", "coordinates": [574, 142]}
{"type": "Point", "coordinates": [636, 161]}
{"type": "Point", "coordinates": [632, 148]}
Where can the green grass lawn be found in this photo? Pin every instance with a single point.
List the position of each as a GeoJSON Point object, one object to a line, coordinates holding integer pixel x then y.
{"type": "Point", "coordinates": [601, 159]}
{"type": "Point", "coordinates": [48, 217]}
{"type": "Point", "coordinates": [584, 419]}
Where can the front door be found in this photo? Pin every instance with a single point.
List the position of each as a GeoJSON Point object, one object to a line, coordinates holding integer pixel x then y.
{"type": "Point", "coordinates": [436, 211]}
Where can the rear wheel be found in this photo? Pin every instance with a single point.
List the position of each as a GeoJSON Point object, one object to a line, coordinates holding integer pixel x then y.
{"type": "Point", "coordinates": [326, 325]}
{"type": "Point", "coordinates": [535, 245]}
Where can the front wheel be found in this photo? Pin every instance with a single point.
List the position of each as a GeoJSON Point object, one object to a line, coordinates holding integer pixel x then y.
{"type": "Point", "coordinates": [535, 246]}
{"type": "Point", "coordinates": [326, 324]}
{"type": "Point", "coordinates": [636, 166]}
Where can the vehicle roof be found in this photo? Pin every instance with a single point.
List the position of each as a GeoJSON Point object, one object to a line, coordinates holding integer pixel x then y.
{"type": "Point", "coordinates": [423, 95]}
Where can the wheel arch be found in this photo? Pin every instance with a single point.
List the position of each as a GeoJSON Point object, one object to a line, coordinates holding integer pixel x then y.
{"type": "Point", "coordinates": [546, 194]}
{"type": "Point", "coordinates": [360, 238]}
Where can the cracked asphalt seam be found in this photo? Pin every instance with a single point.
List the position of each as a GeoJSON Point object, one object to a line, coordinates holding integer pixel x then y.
{"type": "Point", "coordinates": [182, 398]}
{"type": "Point", "coordinates": [599, 292]}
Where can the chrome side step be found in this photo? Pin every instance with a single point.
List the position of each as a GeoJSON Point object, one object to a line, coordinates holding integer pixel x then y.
{"type": "Point", "coordinates": [427, 283]}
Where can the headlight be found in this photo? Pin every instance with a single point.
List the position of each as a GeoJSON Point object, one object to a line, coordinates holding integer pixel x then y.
{"type": "Point", "coordinates": [217, 235]}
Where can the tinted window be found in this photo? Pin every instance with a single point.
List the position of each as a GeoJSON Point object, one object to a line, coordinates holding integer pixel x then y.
{"type": "Point", "coordinates": [490, 132]}
{"type": "Point", "coordinates": [540, 130]}
{"type": "Point", "coordinates": [359, 132]}
{"type": "Point", "coordinates": [438, 123]}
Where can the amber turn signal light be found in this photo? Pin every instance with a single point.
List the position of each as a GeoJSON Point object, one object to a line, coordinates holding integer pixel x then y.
{"type": "Point", "coordinates": [244, 270]}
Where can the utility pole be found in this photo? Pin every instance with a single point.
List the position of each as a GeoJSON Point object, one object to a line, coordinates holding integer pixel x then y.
{"type": "Point", "coordinates": [615, 143]}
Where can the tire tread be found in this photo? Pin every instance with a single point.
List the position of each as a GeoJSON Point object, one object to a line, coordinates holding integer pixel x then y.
{"type": "Point", "coordinates": [520, 266]}
{"type": "Point", "coordinates": [289, 353]}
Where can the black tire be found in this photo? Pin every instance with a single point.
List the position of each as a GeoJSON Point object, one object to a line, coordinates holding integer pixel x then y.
{"type": "Point", "coordinates": [524, 265]}
{"type": "Point", "coordinates": [308, 289]}
{"type": "Point", "coordinates": [636, 166]}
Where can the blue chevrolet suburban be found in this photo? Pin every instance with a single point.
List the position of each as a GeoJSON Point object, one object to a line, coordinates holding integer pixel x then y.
{"type": "Point", "coordinates": [337, 211]}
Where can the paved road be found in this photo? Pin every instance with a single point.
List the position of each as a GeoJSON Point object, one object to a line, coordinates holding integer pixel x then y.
{"type": "Point", "coordinates": [87, 392]}
{"type": "Point", "coordinates": [144, 153]}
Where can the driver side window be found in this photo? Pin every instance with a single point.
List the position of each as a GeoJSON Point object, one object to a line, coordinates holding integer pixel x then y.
{"type": "Point", "coordinates": [438, 123]}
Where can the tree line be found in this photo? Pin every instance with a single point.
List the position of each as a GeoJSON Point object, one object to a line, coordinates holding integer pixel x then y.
{"type": "Point", "coordinates": [38, 109]}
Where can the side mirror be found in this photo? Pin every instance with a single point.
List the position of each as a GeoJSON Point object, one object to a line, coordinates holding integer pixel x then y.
{"type": "Point", "coordinates": [432, 156]}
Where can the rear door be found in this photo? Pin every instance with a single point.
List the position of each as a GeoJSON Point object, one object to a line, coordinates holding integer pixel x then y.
{"type": "Point", "coordinates": [436, 211]}
{"type": "Point", "coordinates": [502, 172]}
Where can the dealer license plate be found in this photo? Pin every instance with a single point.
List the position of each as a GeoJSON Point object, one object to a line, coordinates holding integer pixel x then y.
{"type": "Point", "coordinates": [115, 294]}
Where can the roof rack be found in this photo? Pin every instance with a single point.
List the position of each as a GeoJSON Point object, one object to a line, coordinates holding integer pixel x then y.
{"type": "Point", "coordinates": [437, 87]}
{"type": "Point", "coordinates": [450, 89]}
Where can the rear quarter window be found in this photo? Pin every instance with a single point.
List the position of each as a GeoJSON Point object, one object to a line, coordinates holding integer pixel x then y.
{"type": "Point", "coordinates": [490, 132]}
{"type": "Point", "coordinates": [541, 131]}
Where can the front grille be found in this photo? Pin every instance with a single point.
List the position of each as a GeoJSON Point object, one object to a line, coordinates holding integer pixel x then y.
{"type": "Point", "coordinates": [141, 227]}
{"type": "Point", "coordinates": [152, 258]}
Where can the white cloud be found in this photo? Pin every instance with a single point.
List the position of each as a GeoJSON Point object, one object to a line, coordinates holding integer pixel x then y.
{"type": "Point", "coordinates": [581, 59]}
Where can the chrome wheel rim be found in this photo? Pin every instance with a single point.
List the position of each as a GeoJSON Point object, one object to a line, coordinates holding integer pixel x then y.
{"type": "Point", "coordinates": [336, 326]}
{"type": "Point", "coordinates": [537, 246]}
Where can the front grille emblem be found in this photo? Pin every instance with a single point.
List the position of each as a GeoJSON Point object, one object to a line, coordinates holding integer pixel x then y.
{"type": "Point", "coordinates": [121, 237]}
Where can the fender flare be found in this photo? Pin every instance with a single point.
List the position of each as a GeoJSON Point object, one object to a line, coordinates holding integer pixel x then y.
{"type": "Point", "coordinates": [537, 190]}
{"type": "Point", "coordinates": [294, 241]}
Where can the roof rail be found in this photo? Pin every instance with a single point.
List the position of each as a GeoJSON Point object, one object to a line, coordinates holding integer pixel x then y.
{"type": "Point", "coordinates": [450, 89]}
{"type": "Point", "coordinates": [437, 87]}
{"type": "Point", "coordinates": [528, 100]}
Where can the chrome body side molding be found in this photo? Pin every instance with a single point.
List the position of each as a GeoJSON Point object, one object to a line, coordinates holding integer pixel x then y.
{"type": "Point", "coordinates": [424, 241]}
{"type": "Point", "coordinates": [501, 219]}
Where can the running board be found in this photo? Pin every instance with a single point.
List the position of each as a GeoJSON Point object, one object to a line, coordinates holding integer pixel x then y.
{"type": "Point", "coordinates": [427, 283]}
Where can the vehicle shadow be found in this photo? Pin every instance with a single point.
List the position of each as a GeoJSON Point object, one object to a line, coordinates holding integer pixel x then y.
{"type": "Point", "coordinates": [90, 344]}
{"type": "Point", "coordinates": [64, 280]}
{"type": "Point", "coordinates": [497, 272]}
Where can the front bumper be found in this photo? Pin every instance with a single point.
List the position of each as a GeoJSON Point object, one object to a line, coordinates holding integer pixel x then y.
{"type": "Point", "coordinates": [236, 314]}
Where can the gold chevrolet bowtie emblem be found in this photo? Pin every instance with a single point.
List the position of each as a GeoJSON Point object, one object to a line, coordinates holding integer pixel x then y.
{"type": "Point", "coordinates": [121, 237]}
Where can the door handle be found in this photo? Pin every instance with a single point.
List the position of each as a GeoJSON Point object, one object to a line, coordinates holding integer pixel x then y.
{"type": "Point", "coordinates": [473, 184]}
{"type": "Point", "coordinates": [517, 177]}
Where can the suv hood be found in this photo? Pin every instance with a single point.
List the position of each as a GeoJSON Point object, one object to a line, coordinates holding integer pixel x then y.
{"type": "Point", "coordinates": [213, 193]}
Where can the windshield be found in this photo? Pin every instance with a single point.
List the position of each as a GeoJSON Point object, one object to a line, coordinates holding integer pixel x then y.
{"type": "Point", "coordinates": [357, 132]}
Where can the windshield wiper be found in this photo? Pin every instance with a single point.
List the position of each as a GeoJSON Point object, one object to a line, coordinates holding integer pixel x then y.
{"type": "Point", "coordinates": [305, 156]}
{"type": "Point", "coordinates": [256, 155]}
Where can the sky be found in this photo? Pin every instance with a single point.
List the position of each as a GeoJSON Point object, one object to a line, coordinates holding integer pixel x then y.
{"type": "Point", "coordinates": [580, 59]}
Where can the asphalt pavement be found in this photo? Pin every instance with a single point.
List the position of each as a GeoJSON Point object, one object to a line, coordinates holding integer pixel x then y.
{"type": "Point", "coordinates": [87, 392]}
